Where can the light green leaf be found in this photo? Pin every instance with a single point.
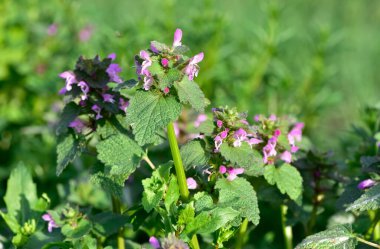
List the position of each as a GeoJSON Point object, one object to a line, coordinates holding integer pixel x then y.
{"type": "Point", "coordinates": [82, 228]}
{"type": "Point", "coordinates": [338, 237]}
{"type": "Point", "coordinates": [120, 154]}
{"type": "Point", "coordinates": [287, 178]}
{"type": "Point", "coordinates": [240, 195]}
{"type": "Point", "coordinates": [68, 148]}
{"type": "Point", "coordinates": [193, 154]}
{"type": "Point", "coordinates": [69, 113]}
{"type": "Point", "coordinates": [167, 79]}
{"type": "Point", "coordinates": [112, 184]}
{"type": "Point", "coordinates": [172, 193]}
{"type": "Point", "coordinates": [108, 223]}
{"type": "Point", "coordinates": [203, 201]}
{"type": "Point", "coordinates": [190, 93]}
{"type": "Point", "coordinates": [245, 157]}
{"type": "Point", "coordinates": [149, 112]}
{"type": "Point", "coordinates": [370, 200]}
{"type": "Point", "coordinates": [186, 215]}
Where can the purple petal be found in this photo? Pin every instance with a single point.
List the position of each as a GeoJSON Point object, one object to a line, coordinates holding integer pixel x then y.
{"type": "Point", "coordinates": [286, 156]}
{"type": "Point", "coordinates": [191, 183]}
{"type": "Point", "coordinates": [177, 38]}
{"type": "Point", "coordinates": [222, 169]}
{"type": "Point", "coordinates": [197, 58]}
{"type": "Point", "coordinates": [112, 56]}
{"type": "Point", "coordinates": [153, 241]}
{"type": "Point", "coordinates": [366, 184]}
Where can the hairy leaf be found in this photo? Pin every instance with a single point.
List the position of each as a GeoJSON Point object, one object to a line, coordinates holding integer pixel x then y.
{"type": "Point", "coordinates": [111, 184]}
{"type": "Point", "coordinates": [69, 113]}
{"type": "Point", "coordinates": [68, 149]}
{"type": "Point", "coordinates": [370, 200]}
{"type": "Point", "coordinates": [203, 201]}
{"type": "Point", "coordinates": [338, 237]}
{"type": "Point", "coordinates": [193, 153]}
{"type": "Point", "coordinates": [190, 93]}
{"type": "Point", "coordinates": [287, 178]}
{"type": "Point", "coordinates": [172, 193]}
{"type": "Point", "coordinates": [149, 112]}
{"type": "Point", "coordinates": [240, 195]}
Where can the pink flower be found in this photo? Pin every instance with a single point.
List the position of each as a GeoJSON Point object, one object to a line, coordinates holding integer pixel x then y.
{"type": "Point", "coordinates": [77, 124]}
{"type": "Point", "coordinates": [218, 142]}
{"type": "Point", "coordinates": [176, 129]}
{"type": "Point", "coordinates": [97, 110]}
{"type": "Point", "coordinates": [153, 241]}
{"type": "Point", "coordinates": [177, 38]}
{"type": "Point", "coordinates": [366, 184]}
{"type": "Point", "coordinates": [286, 156]}
{"type": "Point", "coordinates": [147, 61]}
{"type": "Point", "coordinates": [257, 118]}
{"type": "Point", "coordinates": [254, 141]}
{"type": "Point", "coordinates": [123, 104]}
{"type": "Point", "coordinates": [192, 68]}
{"type": "Point", "coordinates": [219, 123]}
{"type": "Point", "coordinates": [52, 29]}
{"type": "Point", "coordinates": [108, 98]}
{"type": "Point", "coordinates": [277, 133]}
{"type": "Point", "coordinates": [272, 117]}
{"type": "Point", "coordinates": [85, 89]}
{"type": "Point", "coordinates": [240, 135]}
{"type": "Point", "coordinates": [166, 90]}
{"type": "Point", "coordinates": [165, 62]}
{"type": "Point", "coordinates": [293, 149]}
{"type": "Point", "coordinates": [70, 79]}
{"type": "Point", "coordinates": [112, 56]}
{"type": "Point", "coordinates": [269, 150]}
{"type": "Point", "coordinates": [295, 134]}
{"type": "Point", "coordinates": [200, 119]}
{"type": "Point", "coordinates": [191, 183]}
{"type": "Point", "coordinates": [148, 81]}
{"type": "Point", "coordinates": [113, 71]}
{"type": "Point", "coordinates": [51, 223]}
{"type": "Point", "coordinates": [222, 169]}
{"type": "Point", "coordinates": [85, 33]}
{"type": "Point", "coordinates": [233, 172]}
{"type": "Point", "coordinates": [224, 133]}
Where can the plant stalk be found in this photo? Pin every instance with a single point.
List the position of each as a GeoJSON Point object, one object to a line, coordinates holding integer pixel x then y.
{"type": "Point", "coordinates": [286, 230]}
{"type": "Point", "coordinates": [241, 234]}
{"type": "Point", "coordinates": [180, 172]}
{"type": "Point", "coordinates": [116, 208]}
{"type": "Point", "coordinates": [368, 242]}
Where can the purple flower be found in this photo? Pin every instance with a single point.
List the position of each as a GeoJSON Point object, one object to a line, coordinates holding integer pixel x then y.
{"type": "Point", "coordinates": [123, 104]}
{"type": "Point", "coordinates": [295, 134]}
{"type": "Point", "coordinates": [147, 61]}
{"type": "Point", "coordinates": [85, 33]}
{"type": "Point", "coordinates": [70, 79]}
{"type": "Point", "coordinates": [294, 149]}
{"type": "Point", "coordinates": [77, 124]}
{"type": "Point", "coordinates": [286, 156]}
{"type": "Point", "coordinates": [200, 119]}
{"type": "Point", "coordinates": [269, 150]}
{"type": "Point", "coordinates": [277, 133]}
{"type": "Point", "coordinates": [257, 118]}
{"type": "Point", "coordinates": [240, 135]}
{"type": "Point", "coordinates": [108, 98]}
{"type": "Point", "coordinates": [52, 29]}
{"type": "Point", "coordinates": [218, 142]}
{"type": "Point", "coordinates": [192, 68]}
{"type": "Point", "coordinates": [51, 223]}
{"type": "Point", "coordinates": [97, 110]}
{"type": "Point", "coordinates": [233, 172]}
{"type": "Point", "coordinates": [366, 184]}
{"type": "Point", "coordinates": [112, 56]}
{"type": "Point", "coordinates": [222, 169]}
{"type": "Point", "coordinates": [219, 123]}
{"type": "Point", "coordinates": [113, 71]}
{"type": "Point", "coordinates": [243, 121]}
{"type": "Point", "coordinates": [224, 133]}
{"type": "Point", "coordinates": [254, 141]}
{"type": "Point", "coordinates": [62, 91]}
{"type": "Point", "coordinates": [177, 38]}
{"type": "Point", "coordinates": [191, 183]}
{"type": "Point", "coordinates": [148, 81]}
{"type": "Point", "coordinates": [153, 241]}
{"type": "Point", "coordinates": [165, 62]}
{"type": "Point", "coordinates": [85, 89]}
{"type": "Point", "coordinates": [272, 117]}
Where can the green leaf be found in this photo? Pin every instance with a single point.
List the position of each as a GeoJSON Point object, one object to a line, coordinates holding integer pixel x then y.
{"type": "Point", "coordinates": [154, 187]}
{"type": "Point", "coordinates": [120, 154]}
{"type": "Point", "coordinates": [190, 93]}
{"type": "Point", "coordinates": [82, 228]}
{"type": "Point", "coordinates": [287, 178]}
{"type": "Point", "coordinates": [186, 215]}
{"type": "Point", "coordinates": [69, 113]}
{"type": "Point", "coordinates": [203, 201]}
{"type": "Point", "coordinates": [172, 193]}
{"type": "Point", "coordinates": [212, 220]}
{"type": "Point", "coordinates": [370, 200]}
{"type": "Point", "coordinates": [338, 237]}
{"type": "Point", "coordinates": [68, 148]}
{"type": "Point", "coordinates": [194, 154]}
{"type": "Point", "coordinates": [87, 242]}
{"type": "Point", "coordinates": [240, 195]}
{"type": "Point", "coordinates": [159, 46]}
{"type": "Point", "coordinates": [108, 223]}
{"type": "Point", "coordinates": [111, 184]}
{"type": "Point", "coordinates": [244, 156]}
{"type": "Point", "coordinates": [149, 112]}
{"type": "Point", "coordinates": [169, 78]}
{"type": "Point", "coordinates": [21, 192]}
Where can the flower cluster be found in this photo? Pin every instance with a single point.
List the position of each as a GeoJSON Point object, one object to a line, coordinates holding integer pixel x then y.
{"type": "Point", "coordinates": [160, 66]}
{"type": "Point", "coordinates": [88, 86]}
{"type": "Point", "coordinates": [171, 242]}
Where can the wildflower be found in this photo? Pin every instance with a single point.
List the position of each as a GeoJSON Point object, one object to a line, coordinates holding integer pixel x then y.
{"type": "Point", "coordinates": [147, 61]}
{"type": "Point", "coordinates": [108, 98]}
{"type": "Point", "coordinates": [233, 172]}
{"type": "Point", "coordinates": [113, 71]}
{"type": "Point", "coordinates": [153, 48]}
{"type": "Point", "coordinates": [224, 133]}
{"type": "Point", "coordinates": [366, 184]}
{"type": "Point", "coordinates": [200, 119]}
{"type": "Point", "coordinates": [51, 223]}
{"type": "Point", "coordinates": [165, 62]}
{"type": "Point", "coordinates": [218, 142]}
{"type": "Point", "coordinates": [269, 150]}
{"type": "Point", "coordinates": [192, 68]}
{"type": "Point", "coordinates": [286, 156]}
{"type": "Point", "coordinates": [294, 149]}
{"type": "Point", "coordinates": [254, 141]}
{"type": "Point", "coordinates": [240, 135]}
{"type": "Point", "coordinates": [172, 242]}
{"type": "Point", "coordinates": [176, 129]}
{"type": "Point", "coordinates": [257, 118]}
{"type": "Point", "coordinates": [295, 134]}
{"type": "Point", "coordinates": [177, 38]}
{"type": "Point", "coordinates": [97, 109]}
{"type": "Point", "coordinates": [153, 241]}
{"type": "Point", "coordinates": [52, 29]}
{"type": "Point", "coordinates": [70, 79]}
{"type": "Point", "coordinates": [62, 91]}
{"type": "Point", "coordinates": [166, 90]}
{"type": "Point", "coordinates": [277, 133]}
{"type": "Point", "coordinates": [243, 121]}
{"type": "Point", "coordinates": [123, 104]}
{"type": "Point", "coordinates": [85, 89]}
{"type": "Point", "coordinates": [148, 81]}
{"type": "Point", "coordinates": [112, 56]}
{"type": "Point", "coordinates": [77, 124]}
{"type": "Point", "coordinates": [222, 169]}
{"type": "Point", "coordinates": [85, 33]}
{"type": "Point", "coordinates": [191, 183]}
{"type": "Point", "coordinates": [219, 123]}
{"type": "Point", "coordinates": [272, 117]}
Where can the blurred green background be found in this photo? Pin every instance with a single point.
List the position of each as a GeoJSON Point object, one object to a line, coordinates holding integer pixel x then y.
{"type": "Point", "coordinates": [316, 60]}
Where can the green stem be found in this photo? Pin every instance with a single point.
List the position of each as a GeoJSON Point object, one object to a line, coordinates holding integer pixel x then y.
{"type": "Point", "coordinates": [180, 172]}
{"type": "Point", "coordinates": [368, 242]}
{"type": "Point", "coordinates": [149, 162]}
{"type": "Point", "coordinates": [116, 207]}
{"type": "Point", "coordinates": [241, 234]}
{"type": "Point", "coordinates": [286, 230]}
